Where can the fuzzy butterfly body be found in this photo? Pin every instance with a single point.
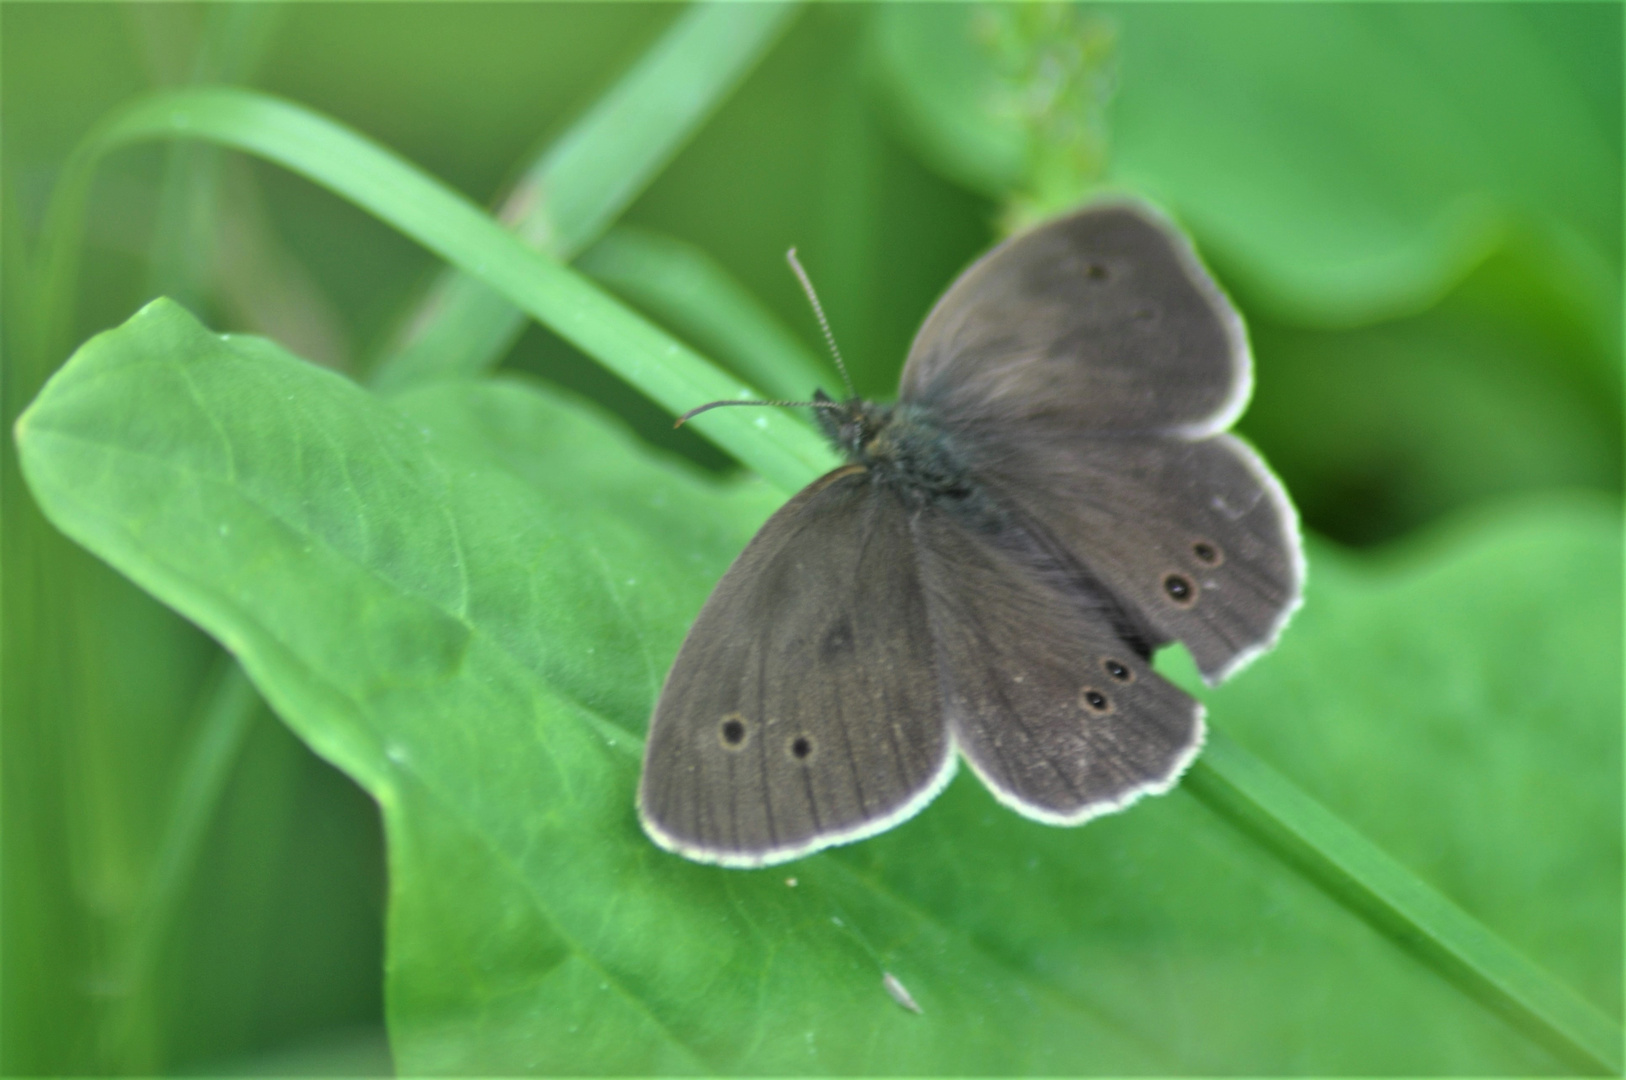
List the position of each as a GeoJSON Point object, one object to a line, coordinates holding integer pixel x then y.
{"type": "Point", "coordinates": [1051, 499]}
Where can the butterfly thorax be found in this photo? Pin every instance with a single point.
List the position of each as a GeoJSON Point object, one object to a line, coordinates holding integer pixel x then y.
{"type": "Point", "coordinates": [903, 447]}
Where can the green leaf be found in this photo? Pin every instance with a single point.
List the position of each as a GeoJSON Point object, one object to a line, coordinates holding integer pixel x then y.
{"type": "Point", "coordinates": [431, 598]}
{"type": "Point", "coordinates": [1380, 429]}
{"type": "Point", "coordinates": [1444, 669]}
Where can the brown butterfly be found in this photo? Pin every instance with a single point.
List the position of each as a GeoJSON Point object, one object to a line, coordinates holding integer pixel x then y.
{"type": "Point", "coordinates": [1051, 499]}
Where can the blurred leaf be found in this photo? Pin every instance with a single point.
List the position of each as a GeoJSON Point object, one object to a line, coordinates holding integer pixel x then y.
{"type": "Point", "coordinates": [1010, 99]}
{"type": "Point", "coordinates": [1344, 163]}
{"type": "Point", "coordinates": [427, 593]}
{"type": "Point", "coordinates": [945, 90]}
{"type": "Point", "coordinates": [1378, 430]}
{"type": "Point", "coordinates": [1418, 208]}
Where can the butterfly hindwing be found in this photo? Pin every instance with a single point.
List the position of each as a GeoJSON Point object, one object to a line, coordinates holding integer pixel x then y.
{"type": "Point", "coordinates": [1059, 715]}
{"type": "Point", "coordinates": [803, 708]}
{"type": "Point", "coordinates": [1103, 319]}
{"type": "Point", "coordinates": [1195, 538]}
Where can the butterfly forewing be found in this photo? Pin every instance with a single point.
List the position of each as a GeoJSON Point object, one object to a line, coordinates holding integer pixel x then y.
{"type": "Point", "coordinates": [1062, 718]}
{"type": "Point", "coordinates": [1103, 320]}
{"type": "Point", "coordinates": [803, 709]}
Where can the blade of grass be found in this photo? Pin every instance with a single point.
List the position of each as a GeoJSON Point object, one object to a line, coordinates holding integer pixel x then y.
{"type": "Point", "coordinates": [783, 449]}
{"type": "Point", "coordinates": [228, 711]}
{"type": "Point", "coordinates": [234, 40]}
{"type": "Point", "coordinates": [1376, 887]}
{"type": "Point", "coordinates": [588, 177]}
{"type": "Point", "coordinates": [685, 289]}
{"type": "Point", "coordinates": [1365, 879]}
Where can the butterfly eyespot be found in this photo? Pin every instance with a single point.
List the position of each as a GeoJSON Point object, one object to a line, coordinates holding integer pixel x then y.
{"type": "Point", "coordinates": [1118, 670]}
{"type": "Point", "coordinates": [801, 748]}
{"type": "Point", "coordinates": [1180, 589]}
{"type": "Point", "coordinates": [1206, 553]}
{"type": "Point", "coordinates": [733, 731]}
{"type": "Point", "coordinates": [1094, 700]}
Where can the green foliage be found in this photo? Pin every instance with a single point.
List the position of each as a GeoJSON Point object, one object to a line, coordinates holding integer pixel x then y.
{"type": "Point", "coordinates": [464, 592]}
{"type": "Point", "coordinates": [430, 594]}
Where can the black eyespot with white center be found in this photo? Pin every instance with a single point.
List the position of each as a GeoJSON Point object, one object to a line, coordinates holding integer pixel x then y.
{"type": "Point", "coordinates": [1207, 553]}
{"type": "Point", "coordinates": [801, 748]}
{"type": "Point", "coordinates": [1094, 701]}
{"type": "Point", "coordinates": [732, 731]}
{"type": "Point", "coordinates": [1118, 670]}
{"type": "Point", "coordinates": [1179, 588]}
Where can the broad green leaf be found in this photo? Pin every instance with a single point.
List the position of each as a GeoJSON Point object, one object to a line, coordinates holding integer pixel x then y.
{"type": "Point", "coordinates": [122, 977]}
{"type": "Point", "coordinates": [1492, 710]}
{"type": "Point", "coordinates": [433, 596]}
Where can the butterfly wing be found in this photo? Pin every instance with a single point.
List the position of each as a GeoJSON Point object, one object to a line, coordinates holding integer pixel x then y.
{"type": "Point", "coordinates": [1104, 319]}
{"type": "Point", "coordinates": [803, 709]}
{"type": "Point", "coordinates": [1085, 370]}
{"type": "Point", "coordinates": [1059, 715]}
{"type": "Point", "coordinates": [1195, 539]}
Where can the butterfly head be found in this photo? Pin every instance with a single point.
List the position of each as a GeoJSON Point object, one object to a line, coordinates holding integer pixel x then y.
{"type": "Point", "coordinates": [856, 427]}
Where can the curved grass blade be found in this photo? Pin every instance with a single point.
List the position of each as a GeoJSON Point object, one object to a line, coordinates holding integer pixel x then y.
{"type": "Point", "coordinates": [783, 449]}
{"type": "Point", "coordinates": [228, 710]}
{"type": "Point", "coordinates": [589, 176]}
{"type": "Point", "coordinates": [688, 291]}
{"type": "Point", "coordinates": [1367, 880]}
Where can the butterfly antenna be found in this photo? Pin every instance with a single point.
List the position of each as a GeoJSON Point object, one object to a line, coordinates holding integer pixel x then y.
{"type": "Point", "coordinates": [824, 324]}
{"type": "Point", "coordinates": [780, 404]}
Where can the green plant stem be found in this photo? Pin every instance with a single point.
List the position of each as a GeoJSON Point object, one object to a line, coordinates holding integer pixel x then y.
{"type": "Point", "coordinates": [787, 453]}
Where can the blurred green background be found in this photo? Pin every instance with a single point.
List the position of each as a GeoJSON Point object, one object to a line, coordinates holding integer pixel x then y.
{"type": "Point", "coordinates": [1417, 208]}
